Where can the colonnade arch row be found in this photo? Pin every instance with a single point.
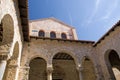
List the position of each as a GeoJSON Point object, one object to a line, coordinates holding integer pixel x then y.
{"type": "Point", "coordinates": [88, 69]}
{"type": "Point", "coordinates": [64, 67]}
{"type": "Point", "coordinates": [11, 70]}
{"type": "Point", "coordinates": [112, 61]}
{"type": "Point", "coordinates": [6, 30]}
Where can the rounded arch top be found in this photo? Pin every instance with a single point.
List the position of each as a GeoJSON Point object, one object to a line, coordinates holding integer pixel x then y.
{"type": "Point", "coordinates": [108, 52]}
{"type": "Point", "coordinates": [85, 58]}
{"type": "Point", "coordinates": [71, 54]}
{"type": "Point", "coordinates": [52, 34]}
{"type": "Point", "coordinates": [63, 35]}
{"type": "Point", "coordinates": [6, 29]}
{"type": "Point", "coordinates": [112, 57]}
{"type": "Point", "coordinates": [16, 49]}
{"type": "Point", "coordinates": [34, 57]}
{"type": "Point", "coordinates": [41, 33]}
{"type": "Point", "coordinates": [112, 61]}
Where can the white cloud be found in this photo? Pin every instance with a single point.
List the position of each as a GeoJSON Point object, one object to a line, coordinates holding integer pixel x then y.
{"type": "Point", "coordinates": [70, 17]}
{"type": "Point", "coordinates": [97, 3]}
{"type": "Point", "coordinates": [111, 9]}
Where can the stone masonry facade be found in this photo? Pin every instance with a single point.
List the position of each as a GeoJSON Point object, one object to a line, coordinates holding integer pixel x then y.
{"type": "Point", "coordinates": [46, 58]}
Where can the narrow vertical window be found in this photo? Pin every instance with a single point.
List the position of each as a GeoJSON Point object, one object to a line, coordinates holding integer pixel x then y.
{"type": "Point", "coordinates": [63, 36]}
{"type": "Point", "coordinates": [52, 34]}
{"type": "Point", "coordinates": [1, 32]}
{"type": "Point", "coordinates": [41, 33]}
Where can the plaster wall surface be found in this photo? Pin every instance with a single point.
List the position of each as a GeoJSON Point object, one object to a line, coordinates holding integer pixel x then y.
{"type": "Point", "coordinates": [49, 25]}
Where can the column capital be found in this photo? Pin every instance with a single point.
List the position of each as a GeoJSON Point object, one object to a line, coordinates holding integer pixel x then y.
{"type": "Point", "coordinates": [25, 67]}
{"type": "Point", "coordinates": [3, 56]}
{"type": "Point", "coordinates": [49, 69]}
{"type": "Point", "coordinates": [80, 68]}
{"type": "Point", "coordinates": [49, 72]}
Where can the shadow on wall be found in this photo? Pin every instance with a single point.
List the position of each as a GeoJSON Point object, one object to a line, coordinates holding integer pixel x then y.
{"type": "Point", "coordinates": [113, 64]}
{"type": "Point", "coordinates": [6, 30]}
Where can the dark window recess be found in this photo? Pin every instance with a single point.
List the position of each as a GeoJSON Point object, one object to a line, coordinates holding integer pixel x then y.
{"type": "Point", "coordinates": [63, 36]}
{"type": "Point", "coordinates": [52, 35]}
{"type": "Point", "coordinates": [34, 31]}
{"type": "Point", "coordinates": [41, 34]}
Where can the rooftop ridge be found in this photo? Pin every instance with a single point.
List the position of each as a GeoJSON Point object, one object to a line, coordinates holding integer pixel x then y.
{"type": "Point", "coordinates": [54, 19]}
{"type": "Point", "coordinates": [107, 33]}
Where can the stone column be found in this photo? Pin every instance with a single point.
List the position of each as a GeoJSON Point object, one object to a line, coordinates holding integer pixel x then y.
{"type": "Point", "coordinates": [2, 68]}
{"type": "Point", "coordinates": [3, 63]}
{"type": "Point", "coordinates": [24, 73]}
{"type": "Point", "coordinates": [99, 73]}
{"type": "Point", "coordinates": [49, 72]}
{"type": "Point", "coordinates": [10, 72]}
{"type": "Point", "coordinates": [80, 69]}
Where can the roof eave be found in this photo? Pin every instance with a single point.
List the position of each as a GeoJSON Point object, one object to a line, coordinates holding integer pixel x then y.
{"type": "Point", "coordinates": [107, 33]}
{"type": "Point", "coordinates": [23, 8]}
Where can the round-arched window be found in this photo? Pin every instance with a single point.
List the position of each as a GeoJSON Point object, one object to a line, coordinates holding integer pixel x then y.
{"type": "Point", "coordinates": [52, 34]}
{"type": "Point", "coordinates": [63, 36]}
{"type": "Point", "coordinates": [41, 33]}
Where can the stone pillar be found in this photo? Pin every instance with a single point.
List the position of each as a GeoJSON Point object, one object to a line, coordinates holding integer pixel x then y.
{"type": "Point", "coordinates": [10, 72]}
{"type": "Point", "coordinates": [49, 72]}
{"type": "Point", "coordinates": [80, 73]}
{"type": "Point", "coordinates": [80, 69]}
{"type": "Point", "coordinates": [47, 34]}
{"type": "Point", "coordinates": [3, 63]}
{"type": "Point", "coordinates": [99, 73]}
{"type": "Point", "coordinates": [24, 73]}
{"type": "Point", "coordinates": [74, 34]}
{"type": "Point", "coordinates": [2, 68]}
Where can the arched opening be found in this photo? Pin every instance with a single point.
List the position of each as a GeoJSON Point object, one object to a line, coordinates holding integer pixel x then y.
{"type": "Point", "coordinates": [64, 67]}
{"type": "Point", "coordinates": [52, 34]}
{"type": "Point", "coordinates": [12, 63]}
{"type": "Point", "coordinates": [6, 30]}
{"type": "Point", "coordinates": [88, 72]}
{"type": "Point", "coordinates": [37, 69]}
{"type": "Point", "coordinates": [58, 73]}
{"type": "Point", "coordinates": [41, 33]}
{"type": "Point", "coordinates": [113, 64]}
{"type": "Point", "coordinates": [63, 36]}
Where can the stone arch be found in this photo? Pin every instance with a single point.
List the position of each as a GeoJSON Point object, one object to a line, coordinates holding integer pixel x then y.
{"type": "Point", "coordinates": [35, 56]}
{"type": "Point", "coordinates": [69, 53]}
{"type": "Point", "coordinates": [41, 33]}
{"type": "Point", "coordinates": [6, 30]}
{"type": "Point", "coordinates": [12, 64]}
{"type": "Point", "coordinates": [52, 34]}
{"type": "Point", "coordinates": [63, 35]}
{"type": "Point", "coordinates": [58, 73]}
{"type": "Point", "coordinates": [112, 61]}
{"type": "Point", "coordinates": [67, 65]}
{"type": "Point", "coordinates": [88, 70]}
{"type": "Point", "coordinates": [37, 69]}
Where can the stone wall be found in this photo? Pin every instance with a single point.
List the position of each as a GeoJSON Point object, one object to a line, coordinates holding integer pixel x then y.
{"type": "Point", "coordinates": [47, 48]}
{"type": "Point", "coordinates": [10, 9]}
{"type": "Point", "coordinates": [111, 42]}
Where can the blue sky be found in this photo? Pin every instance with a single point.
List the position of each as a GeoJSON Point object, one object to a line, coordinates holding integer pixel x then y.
{"type": "Point", "coordinates": [91, 18]}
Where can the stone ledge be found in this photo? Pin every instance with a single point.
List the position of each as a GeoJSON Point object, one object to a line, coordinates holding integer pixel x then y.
{"type": "Point", "coordinates": [65, 40]}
